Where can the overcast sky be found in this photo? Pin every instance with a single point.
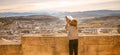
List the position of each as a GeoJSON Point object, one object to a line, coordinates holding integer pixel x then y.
{"type": "Point", "coordinates": [58, 5]}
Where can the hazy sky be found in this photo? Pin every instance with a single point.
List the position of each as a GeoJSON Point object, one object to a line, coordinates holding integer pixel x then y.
{"type": "Point", "coordinates": [57, 5]}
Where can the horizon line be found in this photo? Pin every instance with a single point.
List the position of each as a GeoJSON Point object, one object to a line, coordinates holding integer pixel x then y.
{"type": "Point", "coordinates": [58, 11]}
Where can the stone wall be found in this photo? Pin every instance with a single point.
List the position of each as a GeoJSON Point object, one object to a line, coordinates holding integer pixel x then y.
{"type": "Point", "coordinates": [58, 45]}
{"type": "Point", "coordinates": [10, 50]}
{"type": "Point", "coordinates": [88, 45]}
{"type": "Point", "coordinates": [45, 45]}
{"type": "Point", "coordinates": [100, 45]}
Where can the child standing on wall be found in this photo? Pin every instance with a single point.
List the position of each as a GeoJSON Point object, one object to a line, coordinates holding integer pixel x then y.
{"type": "Point", "coordinates": [72, 28]}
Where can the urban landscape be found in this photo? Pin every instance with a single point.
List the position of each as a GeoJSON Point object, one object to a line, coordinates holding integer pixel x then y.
{"type": "Point", "coordinates": [15, 28]}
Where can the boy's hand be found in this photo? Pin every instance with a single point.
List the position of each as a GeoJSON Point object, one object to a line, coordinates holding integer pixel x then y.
{"type": "Point", "coordinates": [66, 26]}
{"type": "Point", "coordinates": [68, 20]}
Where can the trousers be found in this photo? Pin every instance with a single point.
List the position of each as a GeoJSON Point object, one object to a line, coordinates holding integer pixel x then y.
{"type": "Point", "coordinates": [73, 47]}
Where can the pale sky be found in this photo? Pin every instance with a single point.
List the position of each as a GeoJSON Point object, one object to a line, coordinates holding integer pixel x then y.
{"type": "Point", "coordinates": [58, 5]}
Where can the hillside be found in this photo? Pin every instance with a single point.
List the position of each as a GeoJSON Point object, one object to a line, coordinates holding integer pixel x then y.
{"type": "Point", "coordinates": [32, 17]}
{"type": "Point", "coordinates": [107, 21]}
{"type": "Point", "coordinates": [9, 20]}
{"type": "Point", "coordinates": [39, 17]}
{"type": "Point", "coordinates": [4, 21]}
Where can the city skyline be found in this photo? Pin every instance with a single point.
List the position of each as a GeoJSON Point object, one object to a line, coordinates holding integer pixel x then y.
{"type": "Point", "coordinates": [58, 5]}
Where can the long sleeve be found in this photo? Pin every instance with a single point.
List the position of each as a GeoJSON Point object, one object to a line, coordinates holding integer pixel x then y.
{"type": "Point", "coordinates": [72, 32]}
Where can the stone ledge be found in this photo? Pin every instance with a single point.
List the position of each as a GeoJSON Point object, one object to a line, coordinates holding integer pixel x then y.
{"type": "Point", "coordinates": [64, 35]}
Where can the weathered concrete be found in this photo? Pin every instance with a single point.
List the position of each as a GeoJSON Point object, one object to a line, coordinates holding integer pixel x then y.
{"type": "Point", "coordinates": [8, 47]}
{"type": "Point", "coordinates": [44, 45]}
{"type": "Point", "coordinates": [88, 45]}
{"type": "Point", "coordinates": [10, 50]}
{"type": "Point", "coordinates": [58, 45]}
